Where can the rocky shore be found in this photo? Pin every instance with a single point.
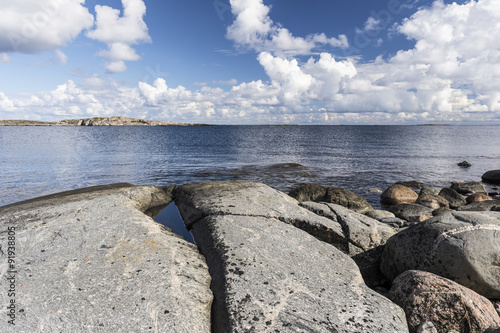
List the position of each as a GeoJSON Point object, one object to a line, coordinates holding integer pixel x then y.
{"type": "Point", "coordinates": [317, 260]}
{"type": "Point", "coordinates": [97, 121]}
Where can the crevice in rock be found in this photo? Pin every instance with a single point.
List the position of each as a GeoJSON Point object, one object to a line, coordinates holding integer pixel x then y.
{"type": "Point", "coordinates": [170, 217]}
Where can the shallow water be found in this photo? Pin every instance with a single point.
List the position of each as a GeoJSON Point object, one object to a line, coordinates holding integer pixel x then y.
{"type": "Point", "coordinates": [42, 160]}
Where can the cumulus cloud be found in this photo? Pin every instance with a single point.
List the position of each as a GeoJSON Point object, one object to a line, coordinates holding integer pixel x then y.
{"type": "Point", "coordinates": [254, 29]}
{"type": "Point", "coordinates": [120, 33]}
{"type": "Point", "coordinates": [30, 26]}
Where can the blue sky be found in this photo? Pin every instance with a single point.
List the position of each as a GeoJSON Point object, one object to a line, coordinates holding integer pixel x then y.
{"type": "Point", "coordinates": [252, 61]}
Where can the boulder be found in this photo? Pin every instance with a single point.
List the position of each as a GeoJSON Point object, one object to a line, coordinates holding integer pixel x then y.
{"type": "Point", "coordinates": [433, 201]}
{"type": "Point", "coordinates": [412, 212]}
{"type": "Point", "coordinates": [492, 177]}
{"type": "Point", "coordinates": [394, 222]}
{"type": "Point", "coordinates": [478, 197]}
{"type": "Point", "coordinates": [270, 276]}
{"type": "Point", "coordinates": [481, 206]}
{"type": "Point", "coordinates": [454, 198]}
{"type": "Point", "coordinates": [198, 200]}
{"type": "Point", "coordinates": [91, 260]}
{"type": "Point", "coordinates": [468, 187]}
{"type": "Point", "coordinates": [440, 211]}
{"type": "Point", "coordinates": [428, 191]}
{"type": "Point", "coordinates": [449, 306]}
{"type": "Point", "coordinates": [398, 194]}
{"type": "Point", "coordinates": [461, 246]}
{"type": "Point", "coordinates": [308, 192]}
{"type": "Point", "coordinates": [379, 214]}
{"type": "Point", "coordinates": [346, 198]}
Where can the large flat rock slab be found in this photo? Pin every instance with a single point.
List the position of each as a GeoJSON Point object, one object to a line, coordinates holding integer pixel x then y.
{"type": "Point", "coordinates": [92, 261]}
{"type": "Point", "coordinates": [269, 276]}
{"type": "Point", "coordinates": [242, 198]}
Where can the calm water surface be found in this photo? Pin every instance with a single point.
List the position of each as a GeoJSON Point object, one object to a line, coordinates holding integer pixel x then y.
{"type": "Point", "coordinates": [42, 160]}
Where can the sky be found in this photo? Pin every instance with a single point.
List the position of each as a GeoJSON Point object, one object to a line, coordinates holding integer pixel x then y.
{"type": "Point", "coordinates": [252, 61]}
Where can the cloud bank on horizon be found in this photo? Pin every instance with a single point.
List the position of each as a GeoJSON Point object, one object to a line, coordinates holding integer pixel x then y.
{"type": "Point", "coordinates": [450, 75]}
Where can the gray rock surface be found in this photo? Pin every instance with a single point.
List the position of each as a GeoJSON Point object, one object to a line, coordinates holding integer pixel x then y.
{"type": "Point", "coordinates": [492, 177]}
{"type": "Point", "coordinates": [269, 276]}
{"type": "Point", "coordinates": [449, 306]}
{"type": "Point", "coordinates": [91, 261]}
{"type": "Point", "coordinates": [379, 214]}
{"type": "Point", "coordinates": [468, 187]}
{"type": "Point", "coordinates": [461, 246]}
{"type": "Point", "coordinates": [198, 200]}
{"type": "Point", "coordinates": [398, 194]}
{"type": "Point", "coordinates": [394, 222]}
{"type": "Point", "coordinates": [348, 199]}
{"type": "Point", "coordinates": [426, 190]}
{"type": "Point", "coordinates": [454, 198]}
{"type": "Point", "coordinates": [411, 212]}
{"type": "Point", "coordinates": [481, 206]}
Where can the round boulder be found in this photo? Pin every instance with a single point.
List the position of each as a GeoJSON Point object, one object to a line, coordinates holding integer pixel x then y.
{"type": "Point", "coordinates": [468, 187]}
{"type": "Point", "coordinates": [348, 199]}
{"type": "Point", "coordinates": [478, 197]}
{"type": "Point", "coordinates": [433, 201]}
{"type": "Point", "coordinates": [449, 306]}
{"type": "Point", "coordinates": [461, 246]}
{"type": "Point", "coordinates": [492, 177]}
{"type": "Point", "coordinates": [398, 194]}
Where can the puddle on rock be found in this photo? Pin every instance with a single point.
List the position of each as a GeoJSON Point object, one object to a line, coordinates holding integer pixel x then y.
{"type": "Point", "coordinates": [171, 218]}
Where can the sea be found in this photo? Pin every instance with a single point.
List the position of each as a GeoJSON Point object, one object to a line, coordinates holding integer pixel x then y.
{"type": "Point", "coordinates": [36, 161]}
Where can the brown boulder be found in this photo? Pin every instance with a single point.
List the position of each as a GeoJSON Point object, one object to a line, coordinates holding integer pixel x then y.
{"type": "Point", "coordinates": [433, 201]}
{"type": "Point", "coordinates": [478, 197]}
{"type": "Point", "coordinates": [449, 306]}
{"type": "Point", "coordinates": [398, 194]}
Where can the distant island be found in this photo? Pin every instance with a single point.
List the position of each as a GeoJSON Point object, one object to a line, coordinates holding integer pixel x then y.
{"type": "Point", "coordinates": [96, 121]}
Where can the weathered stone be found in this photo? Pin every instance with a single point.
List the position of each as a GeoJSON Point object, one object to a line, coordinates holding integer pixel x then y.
{"type": "Point", "coordinates": [91, 260]}
{"type": "Point", "coordinates": [308, 192]}
{"type": "Point", "coordinates": [428, 191]}
{"type": "Point", "coordinates": [449, 306]}
{"type": "Point", "coordinates": [461, 246]}
{"type": "Point", "coordinates": [412, 212]}
{"type": "Point", "coordinates": [433, 201]}
{"type": "Point", "coordinates": [481, 206]}
{"type": "Point", "coordinates": [468, 187]}
{"type": "Point", "coordinates": [198, 200]}
{"type": "Point", "coordinates": [379, 214]}
{"type": "Point", "coordinates": [454, 198]}
{"type": "Point", "coordinates": [492, 177]}
{"type": "Point", "coordinates": [441, 211]}
{"type": "Point", "coordinates": [365, 235]}
{"type": "Point", "coordinates": [398, 194]}
{"type": "Point", "coordinates": [478, 197]}
{"type": "Point", "coordinates": [348, 199]}
{"type": "Point", "coordinates": [394, 222]}
{"type": "Point", "coordinates": [270, 276]}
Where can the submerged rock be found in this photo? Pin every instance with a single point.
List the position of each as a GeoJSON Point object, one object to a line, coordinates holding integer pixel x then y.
{"type": "Point", "coordinates": [91, 260]}
{"type": "Point", "coordinates": [449, 306]}
{"type": "Point", "coordinates": [461, 246]}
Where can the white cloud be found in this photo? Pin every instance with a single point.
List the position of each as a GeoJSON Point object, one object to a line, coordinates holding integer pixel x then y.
{"type": "Point", "coordinates": [254, 29]}
{"type": "Point", "coordinates": [4, 58]}
{"type": "Point", "coordinates": [120, 32]}
{"type": "Point", "coordinates": [30, 26]}
{"type": "Point", "coordinates": [372, 24]}
{"type": "Point", "coordinates": [61, 57]}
